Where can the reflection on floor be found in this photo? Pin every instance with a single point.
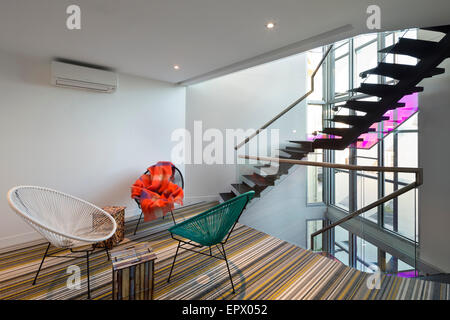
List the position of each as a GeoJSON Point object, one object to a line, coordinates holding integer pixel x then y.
{"type": "Point", "coordinates": [263, 267]}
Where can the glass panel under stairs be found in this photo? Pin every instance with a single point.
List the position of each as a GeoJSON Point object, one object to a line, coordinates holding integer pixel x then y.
{"type": "Point", "coordinates": [365, 244]}
{"type": "Point", "coordinates": [389, 230]}
{"type": "Point", "coordinates": [273, 142]}
{"type": "Point", "coordinates": [277, 139]}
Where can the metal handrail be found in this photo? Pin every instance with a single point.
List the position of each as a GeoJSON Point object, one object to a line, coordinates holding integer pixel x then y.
{"type": "Point", "coordinates": [311, 90]}
{"type": "Point", "coordinates": [374, 204]}
{"type": "Point", "coordinates": [334, 165]}
{"type": "Point", "coordinates": [418, 181]}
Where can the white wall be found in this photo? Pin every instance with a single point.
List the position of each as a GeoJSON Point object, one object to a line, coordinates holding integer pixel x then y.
{"type": "Point", "coordinates": [91, 145]}
{"type": "Point", "coordinates": [246, 99]}
{"type": "Point", "coordinates": [434, 157]}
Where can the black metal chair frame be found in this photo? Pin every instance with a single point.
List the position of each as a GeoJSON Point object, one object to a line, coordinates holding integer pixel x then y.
{"type": "Point", "coordinates": [87, 252]}
{"type": "Point", "coordinates": [171, 211]}
{"type": "Point", "coordinates": [222, 252]}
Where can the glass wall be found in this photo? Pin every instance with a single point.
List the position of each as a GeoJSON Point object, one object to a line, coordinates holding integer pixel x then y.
{"type": "Point", "coordinates": [315, 108]}
{"type": "Point", "coordinates": [311, 227]}
{"type": "Point", "coordinates": [341, 245]}
{"type": "Point", "coordinates": [315, 179]}
{"type": "Point", "coordinates": [341, 64]}
{"type": "Point", "coordinates": [366, 255]}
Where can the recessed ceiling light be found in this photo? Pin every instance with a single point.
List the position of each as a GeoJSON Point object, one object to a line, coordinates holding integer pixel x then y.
{"type": "Point", "coordinates": [270, 25]}
{"type": "Point", "coordinates": [176, 67]}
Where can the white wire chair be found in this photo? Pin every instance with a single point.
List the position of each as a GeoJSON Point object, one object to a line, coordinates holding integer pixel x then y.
{"type": "Point", "coordinates": [64, 220]}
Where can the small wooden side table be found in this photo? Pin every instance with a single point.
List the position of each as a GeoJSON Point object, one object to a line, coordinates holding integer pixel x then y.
{"type": "Point", "coordinates": [118, 213]}
{"type": "Point", "coordinates": [133, 272]}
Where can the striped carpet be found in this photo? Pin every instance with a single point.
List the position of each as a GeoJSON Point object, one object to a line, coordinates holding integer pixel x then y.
{"type": "Point", "coordinates": [263, 267]}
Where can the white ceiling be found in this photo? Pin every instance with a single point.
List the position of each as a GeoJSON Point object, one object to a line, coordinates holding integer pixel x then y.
{"type": "Point", "coordinates": [207, 38]}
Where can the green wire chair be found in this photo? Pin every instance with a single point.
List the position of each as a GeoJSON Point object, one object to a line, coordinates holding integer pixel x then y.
{"type": "Point", "coordinates": [211, 228]}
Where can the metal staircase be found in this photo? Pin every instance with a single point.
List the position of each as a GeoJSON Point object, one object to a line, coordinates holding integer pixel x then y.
{"type": "Point", "coordinates": [406, 78]}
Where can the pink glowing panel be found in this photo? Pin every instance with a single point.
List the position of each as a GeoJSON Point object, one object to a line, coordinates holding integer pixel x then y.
{"type": "Point", "coordinates": [396, 118]}
{"type": "Point", "coordinates": [382, 129]}
{"type": "Point", "coordinates": [406, 274]}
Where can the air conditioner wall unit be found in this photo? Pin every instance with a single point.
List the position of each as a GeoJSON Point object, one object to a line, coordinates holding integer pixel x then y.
{"type": "Point", "coordinates": [73, 76]}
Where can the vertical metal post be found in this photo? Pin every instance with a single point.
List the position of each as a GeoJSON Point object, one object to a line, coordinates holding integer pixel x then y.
{"type": "Point", "coordinates": [353, 201]}
{"type": "Point", "coordinates": [152, 289]}
{"type": "Point", "coordinates": [353, 178]}
{"type": "Point", "coordinates": [381, 260]}
{"type": "Point", "coordinates": [330, 154]}
{"type": "Point", "coordinates": [381, 176]}
{"type": "Point", "coordinates": [395, 201]}
{"type": "Point", "coordinates": [381, 188]}
{"type": "Point", "coordinates": [88, 280]}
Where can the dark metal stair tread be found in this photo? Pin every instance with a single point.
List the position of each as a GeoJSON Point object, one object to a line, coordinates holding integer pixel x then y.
{"type": "Point", "coordinates": [296, 149]}
{"type": "Point", "coordinates": [273, 177]}
{"type": "Point", "coordinates": [383, 90]}
{"type": "Point", "coordinates": [243, 188]}
{"type": "Point", "coordinates": [262, 166]}
{"type": "Point", "coordinates": [412, 47]}
{"type": "Point", "coordinates": [382, 118]}
{"type": "Point", "coordinates": [331, 144]}
{"type": "Point", "coordinates": [307, 145]}
{"type": "Point", "coordinates": [370, 106]}
{"type": "Point", "coordinates": [227, 196]}
{"type": "Point", "coordinates": [286, 158]}
{"type": "Point", "coordinates": [337, 131]}
{"type": "Point", "coordinates": [350, 120]}
{"type": "Point", "coordinates": [258, 180]}
{"type": "Point", "coordinates": [265, 166]}
{"type": "Point", "coordinates": [300, 141]}
{"type": "Point", "coordinates": [398, 71]}
{"type": "Point", "coordinates": [295, 155]}
{"type": "Point", "coordinates": [282, 168]}
{"type": "Point", "coordinates": [443, 29]}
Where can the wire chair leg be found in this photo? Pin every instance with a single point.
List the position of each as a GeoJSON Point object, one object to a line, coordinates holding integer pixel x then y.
{"type": "Point", "coordinates": [88, 280]}
{"type": "Point", "coordinates": [137, 225]}
{"type": "Point", "coordinates": [173, 264]}
{"type": "Point", "coordinates": [228, 268]}
{"type": "Point", "coordinates": [173, 218]}
{"type": "Point", "coordinates": [107, 251]}
{"type": "Point", "coordinates": [40, 266]}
